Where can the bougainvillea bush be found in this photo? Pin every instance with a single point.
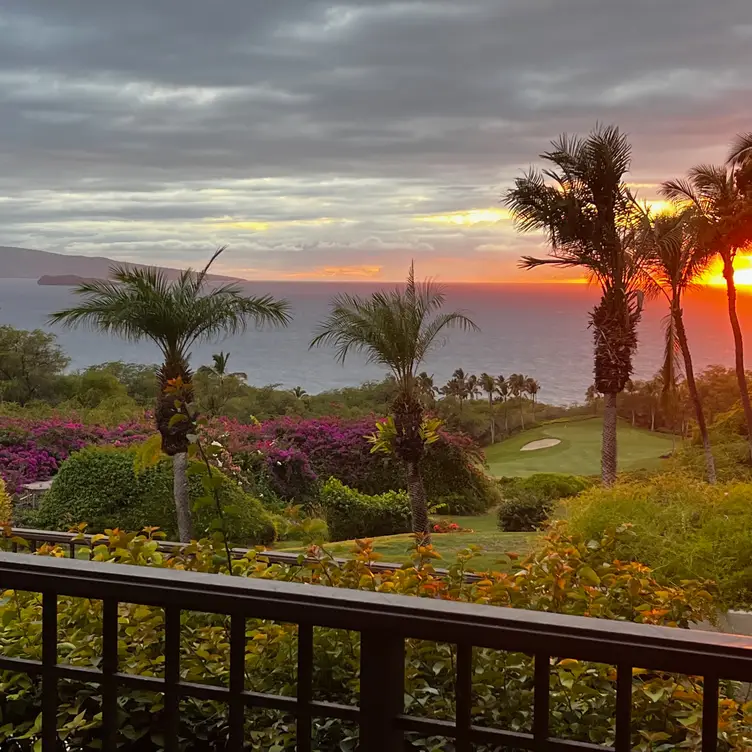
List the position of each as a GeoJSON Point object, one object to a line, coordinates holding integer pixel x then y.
{"type": "Point", "coordinates": [296, 454]}
{"type": "Point", "coordinates": [32, 450]}
{"type": "Point", "coordinates": [568, 575]}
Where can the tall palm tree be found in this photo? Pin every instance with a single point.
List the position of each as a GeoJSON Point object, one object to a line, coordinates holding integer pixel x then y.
{"type": "Point", "coordinates": [460, 386]}
{"type": "Point", "coordinates": [532, 387]}
{"type": "Point", "coordinates": [587, 212]}
{"type": "Point", "coordinates": [719, 203]}
{"type": "Point", "coordinates": [518, 388]}
{"type": "Point", "coordinates": [473, 386]}
{"type": "Point", "coordinates": [676, 261]}
{"type": "Point", "coordinates": [502, 387]}
{"type": "Point", "coordinates": [143, 304]}
{"type": "Point", "coordinates": [396, 329]}
{"type": "Point", "coordinates": [488, 385]}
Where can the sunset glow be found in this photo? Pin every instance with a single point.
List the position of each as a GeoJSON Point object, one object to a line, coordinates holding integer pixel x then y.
{"type": "Point", "coordinates": [742, 273]}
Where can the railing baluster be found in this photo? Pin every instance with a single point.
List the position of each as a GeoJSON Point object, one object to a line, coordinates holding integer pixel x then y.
{"type": "Point", "coordinates": [623, 741]}
{"type": "Point", "coordinates": [237, 682]}
{"type": "Point", "coordinates": [305, 686]}
{"type": "Point", "coordinates": [49, 677]}
{"type": "Point", "coordinates": [541, 711]}
{"type": "Point", "coordinates": [710, 714]}
{"type": "Point", "coordinates": [172, 679]}
{"type": "Point", "coordinates": [382, 688]}
{"type": "Point", "coordinates": [464, 693]}
{"type": "Point", "coordinates": [109, 669]}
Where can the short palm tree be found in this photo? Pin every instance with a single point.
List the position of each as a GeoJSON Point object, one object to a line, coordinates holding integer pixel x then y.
{"type": "Point", "coordinates": [299, 393]}
{"type": "Point", "coordinates": [142, 304]}
{"type": "Point", "coordinates": [675, 262]}
{"type": "Point", "coordinates": [488, 385]}
{"type": "Point", "coordinates": [396, 329]}
{"type": "Point", "coordinates": [460, 386]}
{"type": "Point", "coordinates": [719, 203]}
{"type": "Point", "coordinates": [584, 206]}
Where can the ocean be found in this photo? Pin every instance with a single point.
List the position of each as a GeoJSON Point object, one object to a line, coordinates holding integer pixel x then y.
{"type": "Point", "coordinates": [539, 330]}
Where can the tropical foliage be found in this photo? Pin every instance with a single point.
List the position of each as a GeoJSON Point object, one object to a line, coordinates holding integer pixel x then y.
{"type": "Point", "coordinates": [568, 575]}
{"type": "Point", "coordinates": [142, 304]}
{"type": "Point", "coordinates": [396, 329]}
{"type": "Point", "coordinates": [589, 216]}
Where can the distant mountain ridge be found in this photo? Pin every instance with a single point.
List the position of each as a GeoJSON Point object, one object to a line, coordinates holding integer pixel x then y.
{"type": "Point", "coordinates": [24, 263]}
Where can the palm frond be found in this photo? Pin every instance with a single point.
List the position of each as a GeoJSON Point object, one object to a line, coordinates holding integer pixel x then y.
{"type": "Point", "coordinates": [741, 150]}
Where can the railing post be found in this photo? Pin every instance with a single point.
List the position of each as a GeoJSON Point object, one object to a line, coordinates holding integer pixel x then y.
{"type": "Point", "coordinates": [382, 687]}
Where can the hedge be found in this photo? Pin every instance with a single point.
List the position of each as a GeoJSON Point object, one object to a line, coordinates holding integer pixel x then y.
{"type": "Point", "coordinates": [350, 514]}
{"type": "Point", "coordinates": [100, 486]}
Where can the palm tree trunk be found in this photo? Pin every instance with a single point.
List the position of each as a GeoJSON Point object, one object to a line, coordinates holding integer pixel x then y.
{"type": "Point", "coordinates": [506, 417]}
{"type": "Point", "coordinates": [689, 373]}
{"type": "Point", "coordinates": [652, 418]}
{"type": "Point", "coordinates": [493, 419]}
{"type": "Point", "coordinates": [416, 490]}
{"type": "Point", "coordinates": [182, 498]}
{"type": "Point", "coordinates": [608, 448]}
{"type": "Point", "coordinates": [522, 414]}
{"type": "Point", "coordinates": [741, 376]}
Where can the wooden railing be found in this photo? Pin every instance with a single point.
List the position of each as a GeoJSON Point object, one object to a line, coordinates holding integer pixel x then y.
{"type": "Point", "coordinates": [384, 622]}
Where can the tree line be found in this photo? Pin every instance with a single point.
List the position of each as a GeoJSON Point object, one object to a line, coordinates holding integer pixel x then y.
{"type": "Point", "coordinates": [594, 222]}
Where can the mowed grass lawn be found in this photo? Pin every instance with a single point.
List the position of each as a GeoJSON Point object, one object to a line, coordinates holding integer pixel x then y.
{"type": "Point", "coordinates": [396, 548]}
{"type": "Point", "coordinates": [579, 452]}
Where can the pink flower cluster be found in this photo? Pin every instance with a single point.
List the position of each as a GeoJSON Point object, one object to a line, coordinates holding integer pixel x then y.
{"type": "Point", "coordinates": [32, 450]}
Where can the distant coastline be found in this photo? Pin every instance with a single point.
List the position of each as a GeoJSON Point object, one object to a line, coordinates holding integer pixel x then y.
{"type": "Point", "coordinates": [64, 280]}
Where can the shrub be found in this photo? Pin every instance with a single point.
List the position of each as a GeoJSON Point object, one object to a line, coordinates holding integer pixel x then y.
{"type": "Point", "coordinates": [524, 512]}
{"type": "Point", "coordinates": [99, 486]}
{"type": "Point", "coordinates": [582, 695]}
{"type": "Point", "coordinates": [6, 506]}
{"type": "Point", "coordinates": [529, 502]}
{"type": "Point", "coordinates": [453, 466]}
{"type": "Point", "coordinates": [684, 528]}
{"type": "Point", "coordinates": [350, 514]}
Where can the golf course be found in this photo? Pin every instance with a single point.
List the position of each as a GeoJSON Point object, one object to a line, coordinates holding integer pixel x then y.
{"type": "Point", "coordinates": [574, 446]}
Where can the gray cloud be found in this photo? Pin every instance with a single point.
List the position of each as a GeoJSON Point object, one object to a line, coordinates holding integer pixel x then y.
{"type": "Point", "coordinates": [316, 137]}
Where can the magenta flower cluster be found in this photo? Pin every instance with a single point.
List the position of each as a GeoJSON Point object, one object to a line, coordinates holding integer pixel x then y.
{"type": "Point", "coordinates": [32, 450]}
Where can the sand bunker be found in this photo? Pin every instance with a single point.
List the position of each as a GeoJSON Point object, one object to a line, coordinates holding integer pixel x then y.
{"type": "Point", "coordinates": [540, 444]}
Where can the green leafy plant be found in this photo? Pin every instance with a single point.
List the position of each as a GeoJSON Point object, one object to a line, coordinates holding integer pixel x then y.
{"type": "Point", "coordinates": [570, 575]}
{"type": "Point", "coordinates": [350, 514]}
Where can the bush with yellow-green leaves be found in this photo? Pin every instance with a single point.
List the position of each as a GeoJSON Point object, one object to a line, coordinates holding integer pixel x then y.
{"type": "Point", "coordinates": [567, 575]}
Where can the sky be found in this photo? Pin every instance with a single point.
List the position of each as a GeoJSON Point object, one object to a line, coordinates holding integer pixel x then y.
{"type": "Point", "coordinates": [339, 141]}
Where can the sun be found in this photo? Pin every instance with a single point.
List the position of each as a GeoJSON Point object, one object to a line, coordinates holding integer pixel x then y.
{"type": "Point", "coordinates": [713, 277]}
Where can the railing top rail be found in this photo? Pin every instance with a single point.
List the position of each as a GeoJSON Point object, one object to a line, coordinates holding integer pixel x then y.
{"type": "Point", "coordinates": [173, 547]}
{"type": "Point", "coordinates": [662, 648]}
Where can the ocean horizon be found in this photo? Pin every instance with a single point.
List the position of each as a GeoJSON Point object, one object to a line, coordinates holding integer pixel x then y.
{"type": "Point", "coordinates": [537, 329]}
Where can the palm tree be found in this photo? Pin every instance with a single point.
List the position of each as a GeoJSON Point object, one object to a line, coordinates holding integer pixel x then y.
{"type": "Point", "coordinates": [142, 304]}
{"type": "Point", "coordinates": [630, 389]}
{"type": "Point", "coordinates": [426, 388]}
{"type": "Point", "coordinates": [589, 216]}
{"type": "Point", "coordinates": [517, 387]}
{"type": "Point", "coordinates": [718, 201]}
{"type": "Point", "coordinates": [532, 387]}
{"type": "Point", "coordinates": [459, 385]}
{"type": "Point", "coordinates": [219, 372]}
{"type": "Point", "coordinates": [473, 386]}
{"type": "Point", "coordinates": [676, 261]}
{"type": "Point", "coordinates": [488, 385]}
{"type": "Point", "coordinates": [502, 387]}
{"type": "Point", "coordinates": [299, 393]}
{"type": "Point", "coordinates": [653, 390]}
{"type": "Point", "coordinates": [396, 329]}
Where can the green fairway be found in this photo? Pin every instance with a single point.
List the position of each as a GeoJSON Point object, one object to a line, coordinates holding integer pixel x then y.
{"type": "Point", "coordinates": [396, 548]}
{"type": "Point", "coordinates": [579, 452]}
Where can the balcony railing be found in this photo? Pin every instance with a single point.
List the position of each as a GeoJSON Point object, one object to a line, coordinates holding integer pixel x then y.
{"type": "Point", "coordinates": [384, 622]}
